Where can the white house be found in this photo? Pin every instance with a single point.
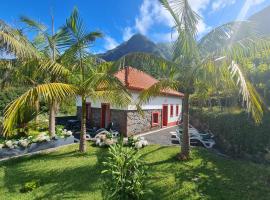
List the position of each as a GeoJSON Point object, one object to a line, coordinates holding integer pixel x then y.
{"type": "Point", "coordinates": [162, 111]}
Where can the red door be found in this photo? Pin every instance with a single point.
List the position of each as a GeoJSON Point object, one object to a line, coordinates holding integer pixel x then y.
{"type": "Point", "coordinates": [105, 115]}
{"type": "Point", "coordinates": [164, 115]}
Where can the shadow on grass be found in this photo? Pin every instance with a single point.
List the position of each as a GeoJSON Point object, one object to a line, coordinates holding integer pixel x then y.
{"type": "Point", "coordinates": [207, 176]}
{"type": "Point", "coordinates": [58, 173]}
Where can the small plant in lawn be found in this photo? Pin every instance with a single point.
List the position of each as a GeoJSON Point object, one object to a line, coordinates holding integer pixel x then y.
{"type": "Point", "coordinates": [125, 174]}
{"type": "Point", "coordinates": [29, 186]}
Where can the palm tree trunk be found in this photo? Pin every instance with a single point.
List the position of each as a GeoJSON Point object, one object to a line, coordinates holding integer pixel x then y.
{"type": "Point", "coordinates": [37, 111]}
{"type": "Point", "coordinates": [83, 126]}
{"type": "Point", "coordinates": [52, 115]}
{"type": "Point", "coordinates": [185, 145]}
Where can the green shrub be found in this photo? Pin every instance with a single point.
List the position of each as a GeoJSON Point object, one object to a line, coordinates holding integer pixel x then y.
{"type": "Point", "coordinates": [236, 133]}
{"type": "Point", "coordinates": [29, 186]}
{"type": "Point", "coordinates": [125, 174]}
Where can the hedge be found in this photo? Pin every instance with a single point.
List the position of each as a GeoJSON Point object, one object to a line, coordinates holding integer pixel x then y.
{"type": "Point", "coordinates": [236, 133]}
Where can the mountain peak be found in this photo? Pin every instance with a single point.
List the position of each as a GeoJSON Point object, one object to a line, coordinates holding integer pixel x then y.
{"type": "Point", "coordinates": [137, 43]}
{"type": "Point", "coordinates": [138, 36]}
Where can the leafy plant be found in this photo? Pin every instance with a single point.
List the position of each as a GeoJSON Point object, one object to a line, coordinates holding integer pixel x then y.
{"type": "Point", "coordinates": [125, 174]}
{"type": "Point", "coordinates": [29, 186]}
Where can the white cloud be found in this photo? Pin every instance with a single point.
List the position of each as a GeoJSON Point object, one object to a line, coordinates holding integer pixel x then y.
{"type": "Point", "coordinates": [219, 4]}
{"type": "Point", "coordinates": [247, 5]}
{"type": "Point", "coordinates": [153, 13]}
{"type": "Point", "coordinates": [110, 43]}
{"type": "Point", "coordinates": [165, 37]}
{"type": "Point", "coordinates": [199, 5]}
{"type": "Point", "coordinates": [257, 2]}
{"type": "Point", "coordinates": [127, 33]}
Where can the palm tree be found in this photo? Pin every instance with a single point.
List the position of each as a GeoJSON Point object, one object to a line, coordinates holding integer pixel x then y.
{"type": "Point", "coordinates": [95, 82]}
{"type": "Point", "coordinates": [50, 43]}
{"type": "Point", "coordinates": [210, 60]}
{"type": "Point", "coordinates": [13, 42]}
{"type": "Point", "coordinates": [89, 78]}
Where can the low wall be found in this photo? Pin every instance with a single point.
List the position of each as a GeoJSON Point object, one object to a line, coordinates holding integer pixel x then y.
{"type": "Point", "coordinates": [34, 147]}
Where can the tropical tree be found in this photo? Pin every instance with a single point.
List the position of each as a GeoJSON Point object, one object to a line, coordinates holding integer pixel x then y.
{"type": "Point", "coordinates": [87, 76]}
{"type": "Point", "coordinates": [50, 43]}
{"type": "Point", "coordinates": [212, 60]}
{"type": "Point", "coordinates": [25, 53]}
{"type": "Point", "coordinates": [95, 80]}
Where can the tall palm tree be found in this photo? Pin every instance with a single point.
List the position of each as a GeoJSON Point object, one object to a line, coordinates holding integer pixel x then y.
{"type": "Point", "coordinates": [210, 60]}
{"type": "Point", "coordinates": [50, 43]}
{"type": "Point", "coordinates": [12, 41]}
{"type": "Point", "coordinates": [95, 82]}
{"type": "Point", "coordinates": [88, 78]}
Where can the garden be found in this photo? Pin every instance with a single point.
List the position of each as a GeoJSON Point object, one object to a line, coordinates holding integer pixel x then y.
{"type": "Point", "coordinates": [45, 68]}
{"type": "Point", "coordinates": [66, 173]}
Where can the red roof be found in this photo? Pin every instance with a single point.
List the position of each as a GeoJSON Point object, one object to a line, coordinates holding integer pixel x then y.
{"type": "Point", "coordinates": [135, 79]}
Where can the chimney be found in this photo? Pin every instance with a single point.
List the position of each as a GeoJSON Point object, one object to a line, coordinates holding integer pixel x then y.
{"type": "Point", "coordinates": [126, 75]}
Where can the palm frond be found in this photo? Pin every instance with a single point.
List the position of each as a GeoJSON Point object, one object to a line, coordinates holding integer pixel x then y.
{"type": "Point", "coordinates": [186, 21]}
{"type": "Point", "coordinates": [12, 41]}
{"type": "Point", "coordinates": [32, 24]}
{"type": "Point", "coordinates": [103, 85]}
{"type": "Point", "coordinates": [48, 92]}
{"type": "Point", "coordinates": [158, 89]}
{"type": "Point", "coordinates": [53, 68]}
{"type": "Point", "coordinates": [235, 40]}
{"type": "Point", "coordinates": [250, 98]}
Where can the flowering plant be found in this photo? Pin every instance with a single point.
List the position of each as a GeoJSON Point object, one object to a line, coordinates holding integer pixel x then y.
{"type": "Point", "coordinates": [42, 137]}
{"type": "Point", "coordinates": [9, 144]}
{"type": "Point", "coordinates": [24, 142]}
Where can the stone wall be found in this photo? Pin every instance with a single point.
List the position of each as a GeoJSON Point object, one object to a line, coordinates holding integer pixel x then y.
{"type": "Point", "coordinates": [137, 123]}
{"type": "Point", "coordinates": [119, 119]}
{"type": "Point", "coordinates": [126, 122]}
{"type": "Point", "coordinates": [95, 117]}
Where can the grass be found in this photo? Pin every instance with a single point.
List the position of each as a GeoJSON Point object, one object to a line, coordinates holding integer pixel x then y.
{"type": "Point", "coordinates": [67, 174]}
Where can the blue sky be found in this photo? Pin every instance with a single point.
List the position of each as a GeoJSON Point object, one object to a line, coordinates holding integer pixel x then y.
{"type": "Point", "coordinates": [119, 19]}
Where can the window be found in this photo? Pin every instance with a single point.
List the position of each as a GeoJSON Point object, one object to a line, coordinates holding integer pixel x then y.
{"type": "Point", "coordinates": [177, 110]}
{"type": "Point", "coordinates": [155, 121]}
{"type": "Point", "coordinates": [171, 112]}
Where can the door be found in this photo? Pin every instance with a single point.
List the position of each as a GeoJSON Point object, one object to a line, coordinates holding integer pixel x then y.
{"type": "Point", "coordinates": [164, 115]}
{"type": "Point", "coordinates": [105, 115]}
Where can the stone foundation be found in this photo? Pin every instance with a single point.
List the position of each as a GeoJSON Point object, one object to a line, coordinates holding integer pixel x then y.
{"type": "Point", "coordinates": [137, 123]}
{"type": "Point", "coordinates": [126, 122]}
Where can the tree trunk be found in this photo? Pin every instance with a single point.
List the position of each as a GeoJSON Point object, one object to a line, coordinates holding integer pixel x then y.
{"type": "Point", "coordinates": [185, 145]}
{"type": "Point", "coordinates": [37, 111]}
{"type": "Point", "coordinates": [52, 115]}
{"type": "Point", "coordinates": [83, 126]}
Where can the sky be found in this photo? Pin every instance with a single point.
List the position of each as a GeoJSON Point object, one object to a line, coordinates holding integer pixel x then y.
{"type": "Point", "coordinates": [118, 20]}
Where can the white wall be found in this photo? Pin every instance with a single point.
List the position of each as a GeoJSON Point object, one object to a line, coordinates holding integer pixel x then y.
{"type": "Point", "coordinates": [154, 103]}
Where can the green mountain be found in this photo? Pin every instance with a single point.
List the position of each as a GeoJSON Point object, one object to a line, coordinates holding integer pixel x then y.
{"type": "Point", "coordinates": [261, 20]}
{"type": "Point", "coordinates": [137, 43]}
{"type": "Point", "coordinates": [140, 43]}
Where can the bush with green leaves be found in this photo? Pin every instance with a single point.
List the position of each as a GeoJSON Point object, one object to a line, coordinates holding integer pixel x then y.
{"type": "Point", "coordinates": [235, 133]}
{"type": "Point", "coordinates": [125, 174]}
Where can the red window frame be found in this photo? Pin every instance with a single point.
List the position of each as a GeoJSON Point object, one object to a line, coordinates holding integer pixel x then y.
{"type": "Point", "coordinates": [155, 115]}
{"type": "Point", "coordinates": [177, 110]}
{"type": "Point", "coordinates": [171, 110]}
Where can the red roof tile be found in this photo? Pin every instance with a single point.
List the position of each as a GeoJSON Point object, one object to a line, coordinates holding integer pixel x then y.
{"type": "Point", "coordinates": [135, 79]}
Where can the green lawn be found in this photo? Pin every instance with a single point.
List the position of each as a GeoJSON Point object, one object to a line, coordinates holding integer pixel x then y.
{"type": "Point", "coordinates": [67, 174]}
